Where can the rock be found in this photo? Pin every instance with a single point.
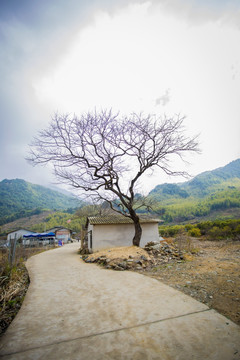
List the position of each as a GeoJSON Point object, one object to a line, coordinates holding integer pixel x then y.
{"type": "Point", "coordinates": [151, 243]}
{"type": "Point", "coordinates": [123, 265]}
{"type": "Point", "coordinates": [118, 268]}
{"type": "Point", "coordinates": [84, 251]}
{"type": "Point", "coordinates": [157, 247]}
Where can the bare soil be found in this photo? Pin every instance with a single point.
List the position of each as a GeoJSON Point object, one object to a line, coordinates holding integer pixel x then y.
{"type": "Point", "coordinates": [212, 275]}
{"type": "Point", "coordinates": [121, 253]}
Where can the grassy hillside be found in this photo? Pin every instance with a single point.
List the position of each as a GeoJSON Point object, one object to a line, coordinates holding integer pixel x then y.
{"type": "Point", "coordinates": [210, 195]}
{"type": "Point", "coordinates": [19, 198]}
{"type": "Point", "coordinates": [211, 191]}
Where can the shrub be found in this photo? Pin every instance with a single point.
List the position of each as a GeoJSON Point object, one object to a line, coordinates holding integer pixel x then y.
{"type": "Point", "coordinates": [171, 231]}
{"type": "Point", "coordinates": [215, 233]}
{"type": "Point", "coordinates": [194, 232]}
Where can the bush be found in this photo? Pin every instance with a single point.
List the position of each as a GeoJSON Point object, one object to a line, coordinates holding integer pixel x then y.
{"type": "Point", "coordinates": [194, 232]}
{"type": "Point", "coordinates": [213, 230]}
{"type": "Point", "coordinates": [215, 233]}
{"type": "Point", "coordinates": [171, 231]}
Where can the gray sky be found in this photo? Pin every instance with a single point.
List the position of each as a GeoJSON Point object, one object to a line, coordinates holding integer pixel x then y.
{"type": "Point", "coordinates": [165, 57]}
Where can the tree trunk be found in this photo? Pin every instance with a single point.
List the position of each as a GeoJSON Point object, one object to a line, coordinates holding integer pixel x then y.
{"type": "Point", "coordinates": [138, 233]}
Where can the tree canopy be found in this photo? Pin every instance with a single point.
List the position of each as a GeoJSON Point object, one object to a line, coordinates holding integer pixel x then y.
{"type": "Point", "coordinates": [105, 154]}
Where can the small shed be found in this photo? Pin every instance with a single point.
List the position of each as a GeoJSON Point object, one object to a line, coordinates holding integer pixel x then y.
{"type": "Point", "coordinates": [112, 231]}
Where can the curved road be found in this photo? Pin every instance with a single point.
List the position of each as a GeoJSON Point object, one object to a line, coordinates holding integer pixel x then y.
{"type": "Point", "coordinates": [75, 310]}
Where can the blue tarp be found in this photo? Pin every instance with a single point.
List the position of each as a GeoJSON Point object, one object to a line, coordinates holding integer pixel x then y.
{"type": "Point", "coordinates": [40, 235]}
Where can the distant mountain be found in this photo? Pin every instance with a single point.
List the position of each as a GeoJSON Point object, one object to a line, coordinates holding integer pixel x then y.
{"type": "Point", "coordinates": [209, 191]}
{"type": "Point", "coordinates": [205, 194]}
{"type": "Point", "coordinates": [202, 184]}
{"type": "Point", "coordinates": [62, 191]}
{"type": "Point", "coordinates": [19, 198]}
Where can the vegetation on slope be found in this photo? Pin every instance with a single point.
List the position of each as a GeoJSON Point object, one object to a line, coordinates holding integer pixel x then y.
{"type": "Point", "coordinates": [58, 218]}
{"type": "Point", "coordinates": [210, 194]}
{"type": "Point", "coordinates": [19, 198]}
{"type": "Point", "coordinates": [212, 230]}
{"type": "Point", "coordinates": [206, 193]}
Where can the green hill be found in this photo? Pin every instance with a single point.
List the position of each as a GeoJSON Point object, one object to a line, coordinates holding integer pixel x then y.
{"type": "Point", "coordinates": [209, 181]}
{"type": "Point", "coordinates": [19, 198]}
{"type": "Point", "coordinates": [211, 194]}
{"type": "Point", "coordinates": [216, 190]}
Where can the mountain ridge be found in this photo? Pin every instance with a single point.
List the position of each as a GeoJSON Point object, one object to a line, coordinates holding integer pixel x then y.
{"type": "Point", "coordinates": [201, 182]}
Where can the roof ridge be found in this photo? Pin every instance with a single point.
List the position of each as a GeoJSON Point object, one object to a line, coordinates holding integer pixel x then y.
{"type": "Point", "coordinates": [117, 219]}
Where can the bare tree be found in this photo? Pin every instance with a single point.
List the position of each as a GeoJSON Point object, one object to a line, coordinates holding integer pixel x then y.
{"type": "Point", "coordinates": [105, 154]}
{"type": "Point", "coordinates": [94, 210]}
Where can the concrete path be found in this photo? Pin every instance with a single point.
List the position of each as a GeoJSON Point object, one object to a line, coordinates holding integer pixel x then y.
{"type": "Point", "coordinates": [75, 310]}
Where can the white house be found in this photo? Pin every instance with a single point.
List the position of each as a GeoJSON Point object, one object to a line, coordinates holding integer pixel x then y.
{"type": "Point", "coordinates": [19, 234]}
{"type": "Point", "coordinates": [112, 231]}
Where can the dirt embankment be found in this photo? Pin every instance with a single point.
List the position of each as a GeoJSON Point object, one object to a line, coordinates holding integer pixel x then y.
{"type": "Point", "coordinates": [209, 271]}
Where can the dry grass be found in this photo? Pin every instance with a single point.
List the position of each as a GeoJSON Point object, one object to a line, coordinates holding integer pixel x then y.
{"type": "Point", "coordinates": [13, 286]}
{"type": "Point", "coordinates": [14, 282]}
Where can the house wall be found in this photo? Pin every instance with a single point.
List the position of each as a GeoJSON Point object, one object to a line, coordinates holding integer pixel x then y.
{"type": "Point", "coordinates": [113, 235]}
{"type": "Point", "coordinates": [63, 235]}
{"type": "Point", "coordinates": [19, 234]}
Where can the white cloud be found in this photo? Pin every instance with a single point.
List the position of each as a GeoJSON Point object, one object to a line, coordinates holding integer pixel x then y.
{"type": "Point", "coordinates": [132, 57]}
{"type": "Point", "coordinates": [164, 99]}
{"type": "Point", "coordinates": [127, 59]}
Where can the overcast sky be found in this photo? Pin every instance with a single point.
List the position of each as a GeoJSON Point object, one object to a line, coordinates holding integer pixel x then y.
{"type": "Point", "coordinates": [164, 57]}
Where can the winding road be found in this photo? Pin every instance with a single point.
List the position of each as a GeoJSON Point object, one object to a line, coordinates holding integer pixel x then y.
{"type": "Point", "coordinates": [75, 310]}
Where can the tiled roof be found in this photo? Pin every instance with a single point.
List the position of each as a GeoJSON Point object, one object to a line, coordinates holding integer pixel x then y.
{"type": "Point", "coordinates": [101, 220]}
